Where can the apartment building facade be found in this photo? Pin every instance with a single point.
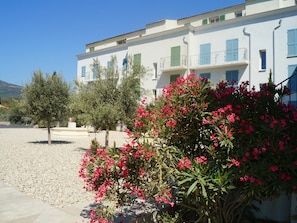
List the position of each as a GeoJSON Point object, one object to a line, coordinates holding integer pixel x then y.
{"type": "Point", "coordinates": [240, 43]}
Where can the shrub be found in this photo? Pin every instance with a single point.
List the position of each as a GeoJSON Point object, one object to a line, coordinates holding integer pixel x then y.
{"type": "Point", "coordinates": [202, 154]}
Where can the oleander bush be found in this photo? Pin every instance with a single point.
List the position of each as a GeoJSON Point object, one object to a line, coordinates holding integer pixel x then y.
{"type": "Point", "coordinates": [201, 154]}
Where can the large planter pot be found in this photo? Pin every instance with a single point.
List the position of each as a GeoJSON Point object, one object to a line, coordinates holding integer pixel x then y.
{"type": "Point", "coordinates": [276, 209]}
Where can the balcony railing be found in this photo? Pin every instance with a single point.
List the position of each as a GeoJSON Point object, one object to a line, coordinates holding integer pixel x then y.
{"type": "Point", "coordinates": [167, 63]}
{"type": "Point", "coordinates": [219, 58]}
{"type": "Point", "coordinates": [291, 83]}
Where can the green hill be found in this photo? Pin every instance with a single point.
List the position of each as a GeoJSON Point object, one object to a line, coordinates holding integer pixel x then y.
{"type": "Point", "coordinates": [8, 90]}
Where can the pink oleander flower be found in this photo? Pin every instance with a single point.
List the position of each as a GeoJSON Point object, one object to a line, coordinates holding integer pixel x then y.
{"type": "Point", "coordinates": [171, 123]}
{"type": "Point", "coordinates": [235, 162]}
{"type": "Point", "coordinates": [274, 168]}
{"type": "Point", "coordinates": [201, 160]}
{"type": "Point", "coordinates": [184, 163]}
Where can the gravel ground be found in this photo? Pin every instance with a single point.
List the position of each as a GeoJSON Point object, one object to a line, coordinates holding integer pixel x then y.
{"type": "Point", "coordinates": [47, 173]}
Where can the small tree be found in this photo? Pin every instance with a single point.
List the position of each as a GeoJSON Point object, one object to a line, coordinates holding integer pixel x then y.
{"type": "Point", "coordinates": [108, 99]}
{"type": "Point", "coordinates": [46, 98]}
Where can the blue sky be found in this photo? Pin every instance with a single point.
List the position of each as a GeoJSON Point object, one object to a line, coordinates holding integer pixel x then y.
{"type": "Point", "coordinates": [47, 35]}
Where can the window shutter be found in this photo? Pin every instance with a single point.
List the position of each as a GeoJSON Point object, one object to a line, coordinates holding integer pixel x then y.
{"type": "Point", "coordinates": [175, 56]}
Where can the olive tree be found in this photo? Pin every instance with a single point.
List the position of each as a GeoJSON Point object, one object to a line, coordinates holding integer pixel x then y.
{"type": "Point", "coordinates": [46, 99]}
{"type": "Point", "coordinates": [107, 99]}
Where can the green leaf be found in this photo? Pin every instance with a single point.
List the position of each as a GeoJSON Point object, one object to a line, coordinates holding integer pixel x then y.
{"type": "Point", "coordinates": [185, 180]}
{"type": "Point", "coordinates": [192, 188]}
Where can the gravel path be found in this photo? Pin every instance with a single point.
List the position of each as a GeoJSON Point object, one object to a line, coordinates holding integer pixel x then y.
{"type": "Point", "coordinates": [47, 173]}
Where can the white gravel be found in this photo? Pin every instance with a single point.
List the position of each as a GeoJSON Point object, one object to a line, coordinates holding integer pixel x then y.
{"type": "Point", "coordinates": [47, 173]}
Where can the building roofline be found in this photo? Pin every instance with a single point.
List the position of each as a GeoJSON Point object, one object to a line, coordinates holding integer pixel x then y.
{"type": "Point", "coordinates": [118, 37]}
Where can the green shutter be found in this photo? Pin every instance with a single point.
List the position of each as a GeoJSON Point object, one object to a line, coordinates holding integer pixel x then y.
{"type": "Point", "coordinates": [204, 21]}
{"type": "Point", "coordinates": [137, 59]}
{"type": "Point", "coordinates": [175, 56]}
{"type": "Point", "coordinates": [222, 17]}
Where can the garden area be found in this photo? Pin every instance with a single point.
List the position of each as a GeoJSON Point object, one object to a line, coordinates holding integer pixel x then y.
{"type": "Point", "coordinates": [200, 154]}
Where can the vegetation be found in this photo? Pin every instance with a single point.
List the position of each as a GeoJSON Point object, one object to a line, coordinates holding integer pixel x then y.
{"type": "Point", "coordinates": [46, 99]}
{"type": "Point", "coordinates": [106, 100]}
{"type": "Point", "coordinates": [202, 154]}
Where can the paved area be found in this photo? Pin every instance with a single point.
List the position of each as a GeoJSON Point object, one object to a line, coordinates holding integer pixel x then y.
{"type": "Point", "coordinates": [17, 207]}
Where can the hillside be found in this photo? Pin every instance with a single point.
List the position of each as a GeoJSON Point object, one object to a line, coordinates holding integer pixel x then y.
{"type": "Point", "coordinates": [8, 90]}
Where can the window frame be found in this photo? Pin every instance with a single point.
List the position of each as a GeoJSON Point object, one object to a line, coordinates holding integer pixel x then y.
{"type": "Point", "coordinates": [292, 42]}
{"type": "Point", "coordinates": [205, 75]}
{"type": "Point", "coordinates": [232, 79]}
{"type": "Point", "coordinates": [231, 50]}
{"type": "Point", "coordinates": [83, 71]}
{"type": "Point", "coordinates": [173, 77]}
{"type": "Point", "coordinates": [263, 60]}
{"type": "Point", "coordinates": [205, 54]}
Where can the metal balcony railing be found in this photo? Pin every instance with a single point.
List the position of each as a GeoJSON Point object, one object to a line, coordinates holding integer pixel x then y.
{"type": "Point", "coordinates": [219, 58]}
{"type": "Point", "coordinates": [291, 83]}
{"type": "Point", "coordinates": [169, 63]}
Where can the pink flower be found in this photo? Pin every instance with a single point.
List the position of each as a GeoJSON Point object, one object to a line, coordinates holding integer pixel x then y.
{"type": "Point", "coordinates": [184, 163]}
{"type": "Point", "coordinates": [231, 118]}
{"type": "Point", "coordinates": [252, 179]}
{"type": "Point", "coordinates": [285, 177]}
{"type": "Point", "coordinates": [164, 200]}
{"type": "Point", "coordinates": [141, 172]}
{"type": "Point", "coordinates": [245, 178]}
{"type": "Point", "coordinates": [138, 123]}
{"type": "Point", "coordinates": [281, 145]}
{"type": "Point", "coordinates": [171, 123]}
{"type": "Point", "coordinates": [274, 168]}
{"type": "Point", "coordinates": [235, 162]}
{"type": "Point", "coordinates": [213, 137]}
{"type": "Point", "coordinates": [201, 160]}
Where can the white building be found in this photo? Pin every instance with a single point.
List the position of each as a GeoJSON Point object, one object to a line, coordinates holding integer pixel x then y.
{"type": "Point", "coordinates": [242, 43]}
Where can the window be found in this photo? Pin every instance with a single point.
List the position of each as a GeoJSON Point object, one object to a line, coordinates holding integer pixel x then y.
{"type": "Point", "coordinates": [292, 42]}
{"type": "Point", "coordinates": [222, 17]}
{"type": "Point", "coordinates": [204, 21]}
{"type": "Point", "coordinates": [137, 59]}
{"type": "Point", "coordinates": [292, 84]}
{"type": "Point", "coordinates": [205, 75]}
{"type": "Point", "coordinates": [173, 77]}
{"type": "Point", "coordinates": [121, 42]}
{"type": "Point", "coordinates": [205, 54]}
{"type": "Point", "coordinates": [83, 71]}
{"type": "Point", "coordinates": [109, 64]}
{"type": "Point", "coordinates": [92, 49]}
{"type": "Point", "coordinates": [238, 14]}
{"type": "Point", "coordinates": [214, 19]}
{"type": "Point", "coordinates": [232, 76]}
{"type": "Point", "coordinates": [175, 56]}
{"type": "Point", "coordinates": [262, 59]}
{"type": "Point", "coordinates": [232, 50]}
{"type": "Point", "coordinates": [96, 71]}
{"type": "Point", "coordinates": [155, 93]}
{"type": "Point", "coordinates": [155, 70]}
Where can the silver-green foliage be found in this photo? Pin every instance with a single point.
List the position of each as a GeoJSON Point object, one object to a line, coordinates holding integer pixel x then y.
{"type": "Point", "coordinates": [46, 98]}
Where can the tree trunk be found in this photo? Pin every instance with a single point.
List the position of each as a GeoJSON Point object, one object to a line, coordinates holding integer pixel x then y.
{"type": "Point", "coordinates": [106, 137]}
{"type": "Point", "coordinates": [49, 133]}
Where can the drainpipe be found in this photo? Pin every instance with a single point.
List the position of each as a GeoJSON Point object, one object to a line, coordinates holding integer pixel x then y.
{"type": "Point", "coordinates": [250, 61]}
{"type": "Point", "coordinates": [273, 50]}
{"type": "Point", "coordinates": [187, 43]}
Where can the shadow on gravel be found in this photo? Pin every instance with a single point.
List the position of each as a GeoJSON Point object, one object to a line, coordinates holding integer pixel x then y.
{"type": "Point", "coordinates": [54, 142]}
{"type": "Point", "coordinates": [127, 214]}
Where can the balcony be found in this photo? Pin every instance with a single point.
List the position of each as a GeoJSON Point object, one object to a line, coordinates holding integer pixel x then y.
{"type": "Point", "coordinates": [219, 59]}
{"type": "Point", "coordinates": [169, 64]}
